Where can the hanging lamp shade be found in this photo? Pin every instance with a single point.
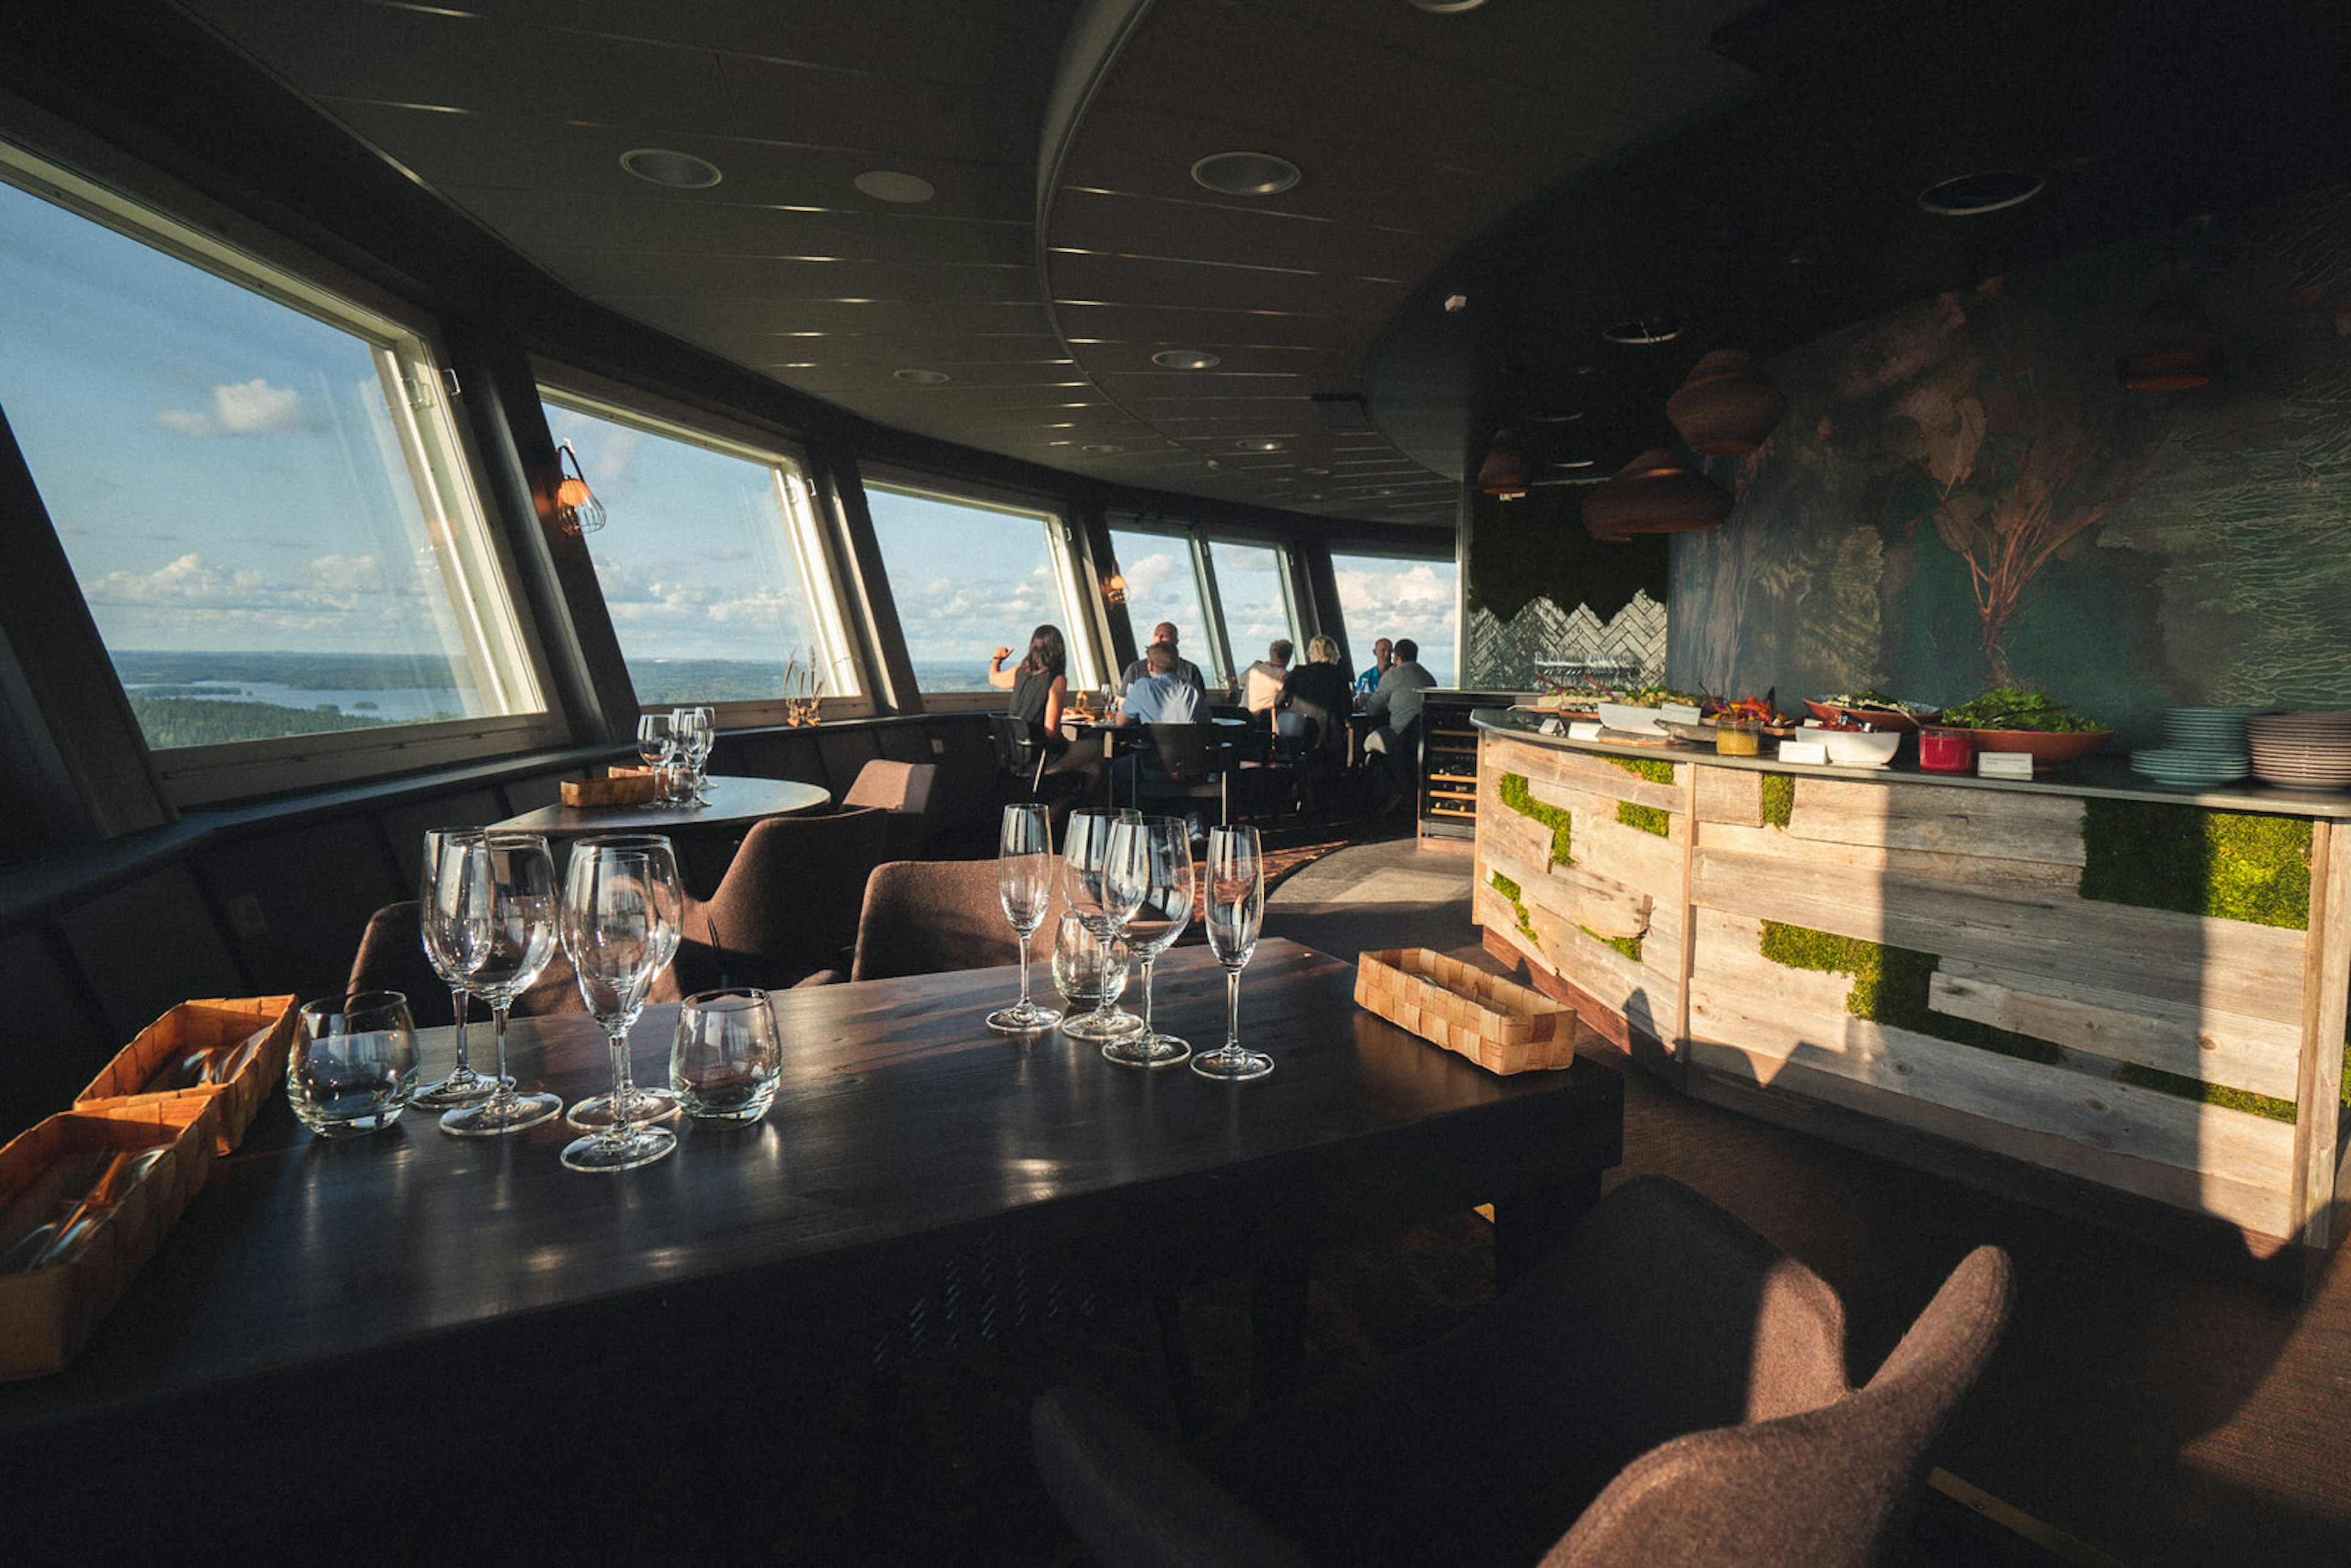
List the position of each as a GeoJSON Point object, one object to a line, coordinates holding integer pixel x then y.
{"type": "Point", "coordinates": [576, 505]}
{"type": "Point", "coordinates": [1726, 407]}
{"type": "Point", "coordinates": [1656, 493]}
{"type": "Point", "coordinates": [1503, 474]}
{"type": "Point", "coordinates": [2174, 346]}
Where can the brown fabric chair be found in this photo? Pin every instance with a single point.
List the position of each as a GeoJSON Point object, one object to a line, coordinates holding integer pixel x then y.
{"type": "Point", "coordinates": [1669, 1390]}
{"type": "Point", "coordinates": [788, 904]}
{"type": "Point", "coordinates": [392, 958]}
{"type": "Point", "coordinates": [924, 917]}
{"type": "Point", "coordinates": [905, 790]}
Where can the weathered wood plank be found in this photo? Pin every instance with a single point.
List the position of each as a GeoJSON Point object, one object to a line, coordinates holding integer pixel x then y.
{"type": "Point", "coordinates": [2234, 966]}
{"type": "Point", "coordinates": [2228, 1152]}
{"type": "Point", "coordinates": [1732, 795]}
{"type": "Point", "coordinates": [2260, 1054]}
{"type": "Point", "coordinates": [1635, 992]}
{"type": "Point", "coordinates": [2258, 1207]}
{"type": "Point", "coordinates": [1577, 895]}
{"type": "Point", "coordinates": [1504, 832]}
{"type": "Point", "coordinates": [2044, 877]}
{"type": "Point", "coordinates": [2326, 989]}
{"type": "Point", "coordinates": [1938, 818]}
{"type": "Point", "coordinates": [1581, 770]}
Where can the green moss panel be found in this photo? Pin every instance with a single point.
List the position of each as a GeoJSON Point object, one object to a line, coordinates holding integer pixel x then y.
{"type": "Point", "coordinates": [1890, 986]}
{"type": "Point", "coordinates": [1512, 789]}
{"type": "Point", "coordinates": [1779, 798]}
{"type": "Point", "coordinates": [2222, 865]}
{"type": "Point", "coordinates": [1511, 890]}
{"type": "Point", "coordinates": [1628, 946]}
{"type": "Point", "coordinates": [1648, 818]}
{"type": "Point", "coordinates": [1649, 768]}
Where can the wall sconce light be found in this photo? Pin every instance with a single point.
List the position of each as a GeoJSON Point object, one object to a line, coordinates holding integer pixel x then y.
{"type": "Point", "coordinates": [1503, 473]}
{"type": "Point", "coordinates": [577, 509]}
{"type": "Point", "coordinates": [1726, 407]}
{"type": "Point", "coordinates": [1113, 588]}
{"type": "Point", "coordinates": [1656, 493]}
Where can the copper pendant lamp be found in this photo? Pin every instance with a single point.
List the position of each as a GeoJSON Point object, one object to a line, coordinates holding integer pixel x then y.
{"type": "Point", "coordinates": [1726, 407]}
{"type": "Point", "coordinates": [1656, 493]}
{"type": "Point", "coordinates": [1503, 473]}
{"type": "Point", "coordinates": [2175, 346]}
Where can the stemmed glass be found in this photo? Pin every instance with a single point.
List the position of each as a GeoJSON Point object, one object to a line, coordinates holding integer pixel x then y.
{"type": "Point", "coordinates": [1149, 870]}
{"type": "Point", "coordinates": [1085, 846]}
{"type": "Point", "coordinates": [622, 905]}
{"type": "Point", "coordinates": [1024, 882]}
{"type": "Point", "coordinates": [502, 916]}
{"type": "Point", "coordinates": [1235, 908]}
{"type": "Point", "coordinates": [657, 744]}
{"type": "Point", "coordinates": [697, 729]}
{"type": "Point", "coordinates": [445, 950]}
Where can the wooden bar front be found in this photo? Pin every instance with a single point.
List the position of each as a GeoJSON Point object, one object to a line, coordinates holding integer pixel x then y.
{"type": "Point", "coordinates": [1936, 957]}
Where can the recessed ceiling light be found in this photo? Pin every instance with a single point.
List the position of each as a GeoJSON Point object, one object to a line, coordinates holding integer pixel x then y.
{"type": "Point", "coordinates": [1103, 448]}
{"type": "Point", "coordinates": [1245, 174]}
{"type": "Point", "coordinates": [889, 185]}
{"type": "Point", "coordinates": [1985, 191]}
{"type": "Point", "coordinates": [1445, 7]}
{"type": "Point", "coordinates": [1642, 332]}
{"type": "Point", "coordinates": [922, 378]}
{"type": "Point", "coordinates": [1568, 418]}
{"type": "Point", "coordinates": [1187, 359]}
{"type": "Point", "coordinates": [679, 170]}
{"type": "Point", "coordinates": [1265, 446]}
{"type": "Point", "coordinates": [1315, 473]}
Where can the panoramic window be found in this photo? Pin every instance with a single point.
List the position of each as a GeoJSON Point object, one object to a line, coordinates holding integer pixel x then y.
{"type": "Point", "coordinates": [711, 561]}
{"type": "Point", "coordinates": [1160, 585]}
{"type": "Point", "coordinates": [1251, 592]}
{"type": "Point", "coordinates": [257, 484]}
{"type": "Point", "coordinates": [970, 577]}
{"type": "Point", "coordinates": [1382, 596]}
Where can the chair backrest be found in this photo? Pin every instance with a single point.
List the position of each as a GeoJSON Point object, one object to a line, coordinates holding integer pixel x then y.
{"type": "Point", "coordinates": [904, 789]}
{"type": "Point", "coordinates": [1186, 751]}
{"type": "Point", "coordinates": [924, 917]}
{"type": "Point", "coordinates": [788, 904]}
{"type": "Point", "coordinates": [392, 958]}
{"type": "Point", "coordinates": [1020, 749]}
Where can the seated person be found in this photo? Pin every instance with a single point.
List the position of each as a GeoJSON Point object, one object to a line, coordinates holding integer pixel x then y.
{"type": "Point", "coordinates": [1040, 694]}
{"type": "Point", "coordinates": [1317, 691]}
{"type": "Point", "coordinates": [1262, 682]}
{"type": "Point", "coordinates": [1382, 655]}
{"type": "Point", "coordinates": [1162, 696]}
{"type": "Point", "coordinates": [1395, 703]}
{"type": "Point", "coordinates": [1163, 632]}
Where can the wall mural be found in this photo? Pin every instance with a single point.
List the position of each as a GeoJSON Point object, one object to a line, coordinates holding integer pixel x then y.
{"type": "Point", "coordinates": [1963, 495]}
{"type": "Point", "coordinates": [1540, 587]}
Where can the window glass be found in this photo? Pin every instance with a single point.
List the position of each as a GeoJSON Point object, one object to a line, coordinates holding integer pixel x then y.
{"type": "Point", "coordinates": [1381, 596]}
{"type": "Point", "coordinates": [970, 577]}
{"type": "Point", "coordinates": [1161, 586]}
{"type": "Point", "coordinates": [261, 501]}
{"type": "Point", "coordinates": [703, 560]}
{"type": "Point", "coordinates": [1249, 591]}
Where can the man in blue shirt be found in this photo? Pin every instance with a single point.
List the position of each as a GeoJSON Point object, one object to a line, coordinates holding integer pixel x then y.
{"type": "Point", "coordinates": [1163, 632]}
{"type": "Point", "coordinates": [1382, 655]}
{"type": "Point", "coordinates": [1161, 696]}
{"type": "Point", "coordinates": [1395, 703]}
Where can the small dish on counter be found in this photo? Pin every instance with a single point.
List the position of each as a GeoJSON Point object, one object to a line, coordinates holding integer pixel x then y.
{"type": "Point", "coordinates": [1856, 747]}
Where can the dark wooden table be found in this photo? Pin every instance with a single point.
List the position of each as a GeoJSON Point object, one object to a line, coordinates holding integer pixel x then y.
{"type": "Point", "coordinates": [735, 804]}
{"type": "Point", "coordinates": [328, 1278]}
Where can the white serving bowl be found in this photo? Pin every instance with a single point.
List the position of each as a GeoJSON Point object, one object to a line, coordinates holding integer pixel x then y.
{"type": "Point", "coordinates": [1630, 719]}
{"type": "Point", "coordinates": [1856, 747]}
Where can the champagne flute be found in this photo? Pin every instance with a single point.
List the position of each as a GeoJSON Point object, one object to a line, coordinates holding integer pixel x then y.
{"type": "Point", "coordinates": [647, 1103]}
{"type": "Point", "coordinates": [1085, 846]}
{"type": "Point", "coordinates": [1024, 882]}
{"type": "Point", "coordinates": [1235, 908]}
{"type": "Point", "coordinates": [657, 744]}
{"type": "Point", "coordinates": [1150, 868]}
{"type": "Point", "coordinates": [445, 949]}
{"type": "Point", "coordinates": [504, 915]}
{"type": "Point", "coordinates": [623, 906]}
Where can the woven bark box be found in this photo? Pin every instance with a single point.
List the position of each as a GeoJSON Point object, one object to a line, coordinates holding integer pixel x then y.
{"type": "Point", "coordinates": [213, 1023]}
{"type": "Point", "coordinates": [624, 788]}
{"type": "Point", "coordinates": [47, 1314]}
{"type": "Point", "coordinates": [1501, 1026]}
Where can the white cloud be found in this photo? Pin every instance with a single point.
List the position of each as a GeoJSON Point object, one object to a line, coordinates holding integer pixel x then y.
{"type": "Point", "coordinates": [242, 408]}
{"type": "Point", "coordinates": [186, 582]}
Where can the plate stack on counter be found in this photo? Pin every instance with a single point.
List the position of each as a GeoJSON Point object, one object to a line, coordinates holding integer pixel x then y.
{"type": "Point", "coordinates": [2301, 750]}
{"type": "Point", "coordinates": [2206, 747]}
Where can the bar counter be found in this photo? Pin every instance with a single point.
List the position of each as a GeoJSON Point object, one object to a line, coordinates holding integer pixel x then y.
{"type": "Point", "coordinates": [2122, 1001]}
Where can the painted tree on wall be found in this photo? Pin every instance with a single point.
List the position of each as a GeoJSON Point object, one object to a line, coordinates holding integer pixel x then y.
{"type": "Point", "coordinates": [2022, 459]}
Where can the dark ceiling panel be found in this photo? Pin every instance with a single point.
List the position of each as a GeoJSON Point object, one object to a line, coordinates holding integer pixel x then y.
{"type": "Point", "coordinates": [609, 274]}
{"type": "Point", "coordinates": [545, 221]}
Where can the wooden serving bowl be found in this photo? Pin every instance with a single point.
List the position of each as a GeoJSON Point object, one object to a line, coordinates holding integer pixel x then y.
{"type": "Point", "coordinates": [1890, 718]}
{"type": "Point", "coordinates": [2049, 749]}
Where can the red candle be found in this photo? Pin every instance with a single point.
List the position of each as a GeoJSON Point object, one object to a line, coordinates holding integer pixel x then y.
{"type": "Point", "coordinates": [1946, 750]}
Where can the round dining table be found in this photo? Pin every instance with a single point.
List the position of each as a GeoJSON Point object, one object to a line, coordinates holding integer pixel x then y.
{"type": "Point", "coordinates": [734, 803]}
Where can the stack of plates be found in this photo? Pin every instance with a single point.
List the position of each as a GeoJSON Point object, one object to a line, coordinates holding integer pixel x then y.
{"type": "Point", "coordinates": [2301, 750]}
{"type": "Point", "coordinates": [2207, 748]}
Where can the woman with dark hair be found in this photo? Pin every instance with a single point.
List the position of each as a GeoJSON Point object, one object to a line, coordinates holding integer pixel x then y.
{"type": "Point", "coordinates": [1039, 682]}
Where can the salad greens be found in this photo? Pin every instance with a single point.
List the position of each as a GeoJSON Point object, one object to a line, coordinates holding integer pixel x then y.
{"type": "Point", "coordinates": [2013, 707]}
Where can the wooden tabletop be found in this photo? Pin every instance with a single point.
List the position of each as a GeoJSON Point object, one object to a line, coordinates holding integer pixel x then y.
{"type": "Point", "coordinates": [734, 803]}
{"type": "Point", "coordinates": [903, 1130]}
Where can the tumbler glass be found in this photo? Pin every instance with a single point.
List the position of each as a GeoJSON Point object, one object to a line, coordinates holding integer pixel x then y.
{"type": "Point", "coordinates": [727, 1057]}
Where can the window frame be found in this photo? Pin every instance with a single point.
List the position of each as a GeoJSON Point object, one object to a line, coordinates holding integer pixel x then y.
{"type": "Point", "coordinates": [820, 547]}
{"type": "Point", "coordinates": [1087, 642]}
{"type": "Point", "coordinates": [1285, 559]}
{"type": "Point", "coordinates": [101, 185]}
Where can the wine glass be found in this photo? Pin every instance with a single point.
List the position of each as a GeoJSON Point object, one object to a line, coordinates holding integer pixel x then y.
{"type": "Point", "coordinates": [623, 906]}
{"type": "Point", "coordinates": [445, 949]}
{"type": "Point", "coordinates": [696, 731]}
{"type": "Point", "coordinates": [1150, 868]}
{"type": "Point", "coordinates": [503, 913]}
{"type": "Point", "coordinates": [657, 744]}
{"type": "Point", "coordinates": [1085, 846]}
{"type": "Point", "coordinates": [1235, 907]}
{"type": "Point", "coordinates": [1024, 881]}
